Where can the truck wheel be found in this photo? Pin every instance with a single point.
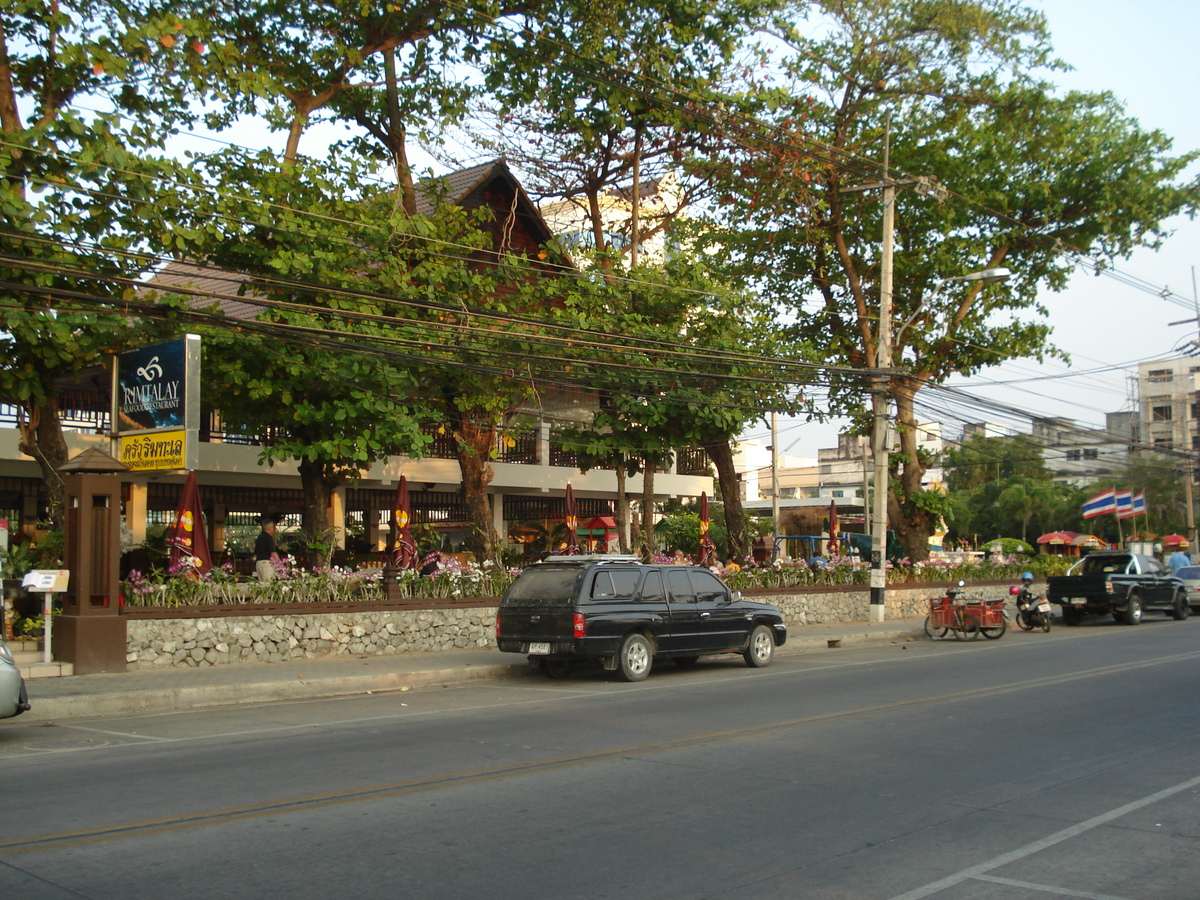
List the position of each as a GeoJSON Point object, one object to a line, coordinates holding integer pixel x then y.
{"type": "Point", "coordinates": [1180, 610]}
{"type": "Point", "coordinates": [1133, 610]}
{"type": "Point", "coordinates": [1071, 616]}
{"type": "Point", "coordinates": [761, 648]}
{"type": "Point", "coordinates": [635, 658]}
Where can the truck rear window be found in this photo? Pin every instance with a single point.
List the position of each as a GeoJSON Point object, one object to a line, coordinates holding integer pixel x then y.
{"type": "Point", "coordinates": [549, 586]}
{"type": "Point", "coordinates": [1104, 565]}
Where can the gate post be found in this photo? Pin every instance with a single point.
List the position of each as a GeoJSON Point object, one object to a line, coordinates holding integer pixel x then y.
{"type": "Point", "coordinates": [90, 633]}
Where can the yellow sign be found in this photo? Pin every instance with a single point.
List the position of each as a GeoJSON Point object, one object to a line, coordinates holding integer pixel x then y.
{"type": "Point", "coordinates": [156, 450]}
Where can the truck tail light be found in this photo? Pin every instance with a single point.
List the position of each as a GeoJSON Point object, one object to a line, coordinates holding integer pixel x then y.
{"type": "Point", "coordinates": [497, 624]}
{"type": "Point", "coordinates": [1108, 586]}
{"type": "Point", "coordinates": [580, 625]}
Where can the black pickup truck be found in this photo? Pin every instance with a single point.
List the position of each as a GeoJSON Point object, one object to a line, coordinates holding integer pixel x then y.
{"type": "Point", "coordinates": [614, 610]}
{"type": "Point", "coordinates": [1117, 582]}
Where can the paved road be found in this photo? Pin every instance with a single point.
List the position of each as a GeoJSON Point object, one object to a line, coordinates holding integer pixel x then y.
{"type": "Point", "coordinates": [1031, 767]}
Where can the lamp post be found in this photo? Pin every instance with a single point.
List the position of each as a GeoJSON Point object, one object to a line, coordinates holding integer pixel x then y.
{"type": "Point", "coordinates": [879, 400]}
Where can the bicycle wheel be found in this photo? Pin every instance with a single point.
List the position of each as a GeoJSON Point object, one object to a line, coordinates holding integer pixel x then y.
{"type": "Point", "coordinates": [968, 629]}
{"type": "Point", "coordinates": [933, 631]}
{"type": "Point", "coordinates": [995, 631]}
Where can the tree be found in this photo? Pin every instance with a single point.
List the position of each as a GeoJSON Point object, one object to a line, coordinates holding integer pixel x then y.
{"type": "Point", "coordinates": [78, 193]}
{"type": "Point", "coordinates": [980, 459]}
{"type": "Point", "coordinates": [1037, 178]}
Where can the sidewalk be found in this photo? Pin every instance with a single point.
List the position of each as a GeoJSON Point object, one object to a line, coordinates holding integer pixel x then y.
{"type": "Point", "coordinates": [133, 693]}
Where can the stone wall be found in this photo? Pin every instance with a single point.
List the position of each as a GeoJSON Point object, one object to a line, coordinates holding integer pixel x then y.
{"type": "Point", "coordinates": [197, 641]}
{"type": "Point", "coordinates": [159, 643]}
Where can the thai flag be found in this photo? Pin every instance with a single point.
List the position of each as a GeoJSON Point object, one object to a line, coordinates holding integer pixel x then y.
{"type": "Point", "coordinates": [1101, 504]}
{"type": "Point", "coordinates": [1139, 504]}
{"type": "Point", "coordinates": [1125, 504]}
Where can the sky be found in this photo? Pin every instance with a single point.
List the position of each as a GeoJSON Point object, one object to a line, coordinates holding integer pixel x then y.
{"type": "Point", "coordinates": [1145, 55]}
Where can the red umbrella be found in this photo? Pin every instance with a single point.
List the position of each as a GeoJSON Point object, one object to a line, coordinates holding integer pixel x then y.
{"type": "Point", "coordinates": [186, 538]}
{"type": "Point", "coordinates": [708, 549]}
{"type": "Point", "coordinates": [1172, 540]}
{"type": "Point", "coordinates": [1057, 537]}
{"type": "Point", "coordinates": [833, 528]}
{"type": "Point", "coordinates": [404, 552]}
{"type": "Point", "coordinates": [572, 547]}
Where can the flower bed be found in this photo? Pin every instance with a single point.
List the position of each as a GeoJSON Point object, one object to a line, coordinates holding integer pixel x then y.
{"type": "Point", "coordinates": [456, 580]}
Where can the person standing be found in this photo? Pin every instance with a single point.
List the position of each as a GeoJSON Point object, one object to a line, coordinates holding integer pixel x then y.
{"type": "Point", "coordinates": [266, 551]}
{"type": "Point", "coordinates": [1178, 560]}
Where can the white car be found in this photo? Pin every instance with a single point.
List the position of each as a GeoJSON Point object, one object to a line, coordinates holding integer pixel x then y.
{"type": "Point", "coordinates": [1190, 576]}
{"type": "Point", "coordinates": [13, 699]}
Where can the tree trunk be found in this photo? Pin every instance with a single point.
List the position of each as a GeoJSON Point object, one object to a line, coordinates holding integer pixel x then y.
{"type": "Point", "coordinates": [621, 509]}
{"type": "Point", "coordinates": [42, 438]}
{"type": "Point", "coordinates": [474, 445]}
{"type": "Point", "coordinates": [647, 548]}
{"type": "Point", "coordinates": [318, 484]}
{"type": "Point", "coordinates": [913, 524]}
{"type": "Point", "coordinates": [721, 454]}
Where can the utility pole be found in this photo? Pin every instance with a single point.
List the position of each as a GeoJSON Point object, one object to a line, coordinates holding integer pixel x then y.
{"type": "Point", "coordinates": [774, 485]}
{"type": "Point", "coordinates": [882, 364]}
{"type": "Point", "coordinates": [879, 401]}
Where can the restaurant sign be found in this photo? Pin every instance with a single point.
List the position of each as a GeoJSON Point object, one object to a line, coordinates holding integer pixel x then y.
{"type": "Point", "coordinates": [156, 405]}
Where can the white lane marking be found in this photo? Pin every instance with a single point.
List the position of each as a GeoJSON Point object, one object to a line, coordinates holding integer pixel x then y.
{"type": "Point", "coordinates": [1049, 841]}
{"type": "Point", "coordinates": [1047, 888]}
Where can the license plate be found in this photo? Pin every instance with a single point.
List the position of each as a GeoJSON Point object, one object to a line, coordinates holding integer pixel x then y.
{"type": "Point", "coordinates": [1044, 606]}
{"type": "Point", "coordinates": [1077, 601]}
{"type": "Point", "coordinates": [542, 649]}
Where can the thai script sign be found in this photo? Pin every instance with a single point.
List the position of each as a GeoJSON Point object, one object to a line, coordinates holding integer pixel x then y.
{"type": "Point", "coordinates": [156, 450]}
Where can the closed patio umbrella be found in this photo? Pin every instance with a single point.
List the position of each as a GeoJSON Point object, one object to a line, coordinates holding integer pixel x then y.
{"type": "Point", "coordinates": [404, 552]}
{"type": "Point", "coordinates": [708, 549]}
{"type": "Point", "coordinates": [186, 537]}
{"type": "Point", "coordinates": [572, 548]}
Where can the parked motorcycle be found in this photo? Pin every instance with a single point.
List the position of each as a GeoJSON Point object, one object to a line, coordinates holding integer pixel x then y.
{"type": "Point", "coordinates": [1032, 611]}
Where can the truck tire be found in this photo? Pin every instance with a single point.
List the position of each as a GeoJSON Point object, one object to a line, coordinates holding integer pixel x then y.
{"type": "Point", "coordinates": [1133, 610]}
{"type": "Point", "coordinates": [761, 648]}
{"type": "Point", "coordinates": [1180, 609]}
{"type": "Point", "coordinates": [635, 657]}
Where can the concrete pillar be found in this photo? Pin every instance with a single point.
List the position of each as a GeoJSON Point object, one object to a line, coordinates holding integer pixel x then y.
{"type": "Point", "coordinates": [498, 519]}
{"type": "Point", "coordinates": [337, 516]}
{"type": "Point", "coordinates": [543, 444]}
{"type": "Point", "coordinates": [135, 511]}
{"type": "Point", "coordinates": [216, 527]}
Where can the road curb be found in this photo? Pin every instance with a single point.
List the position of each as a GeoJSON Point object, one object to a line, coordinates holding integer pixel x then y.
{"type": "Point", "coordinates": [164, 699]}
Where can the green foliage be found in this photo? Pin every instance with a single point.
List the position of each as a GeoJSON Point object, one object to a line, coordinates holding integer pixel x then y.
{"type": "Point", "coordinates": [955, 89]}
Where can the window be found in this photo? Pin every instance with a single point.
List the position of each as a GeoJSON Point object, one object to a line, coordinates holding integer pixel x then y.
{"type": "Point", "coordinates": [611, 584]}
{"type": "Point", "coordinates": [839, 493]}
{"type": "Point", "coordinates": [1160, 413]}
{"type": "Point", "coordinates": [1073, 454]}
{"type": "Point", "coordinates": [708, 587]}
{"type": "Point", "coordinates": [652, 589]}
{"type": "Point", "coordinates": [1164, 443]}
{"type": "Point", "coordinates": [1160, 375]}
{"type": "Point", "coordinates": [681, 587]}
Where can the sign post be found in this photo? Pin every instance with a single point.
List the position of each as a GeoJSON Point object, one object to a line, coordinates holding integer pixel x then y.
{"type": "Point", "coordinates": [47, 582]}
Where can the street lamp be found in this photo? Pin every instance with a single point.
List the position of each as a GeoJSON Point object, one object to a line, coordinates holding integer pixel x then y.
{"type": "Point", "coordinates": [883, 360]}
